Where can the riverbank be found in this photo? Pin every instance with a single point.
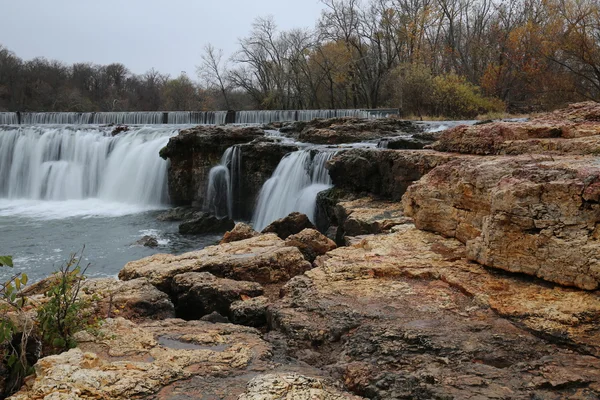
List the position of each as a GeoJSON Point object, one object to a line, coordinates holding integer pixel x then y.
{"type": "Point", "coordinates": [468, 269]}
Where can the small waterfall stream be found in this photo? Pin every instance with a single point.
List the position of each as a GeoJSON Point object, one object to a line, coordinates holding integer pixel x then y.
{"type": "Point", "coordinates": [294, 186]}
{"type": "Point", "coordinates": [224, 184]}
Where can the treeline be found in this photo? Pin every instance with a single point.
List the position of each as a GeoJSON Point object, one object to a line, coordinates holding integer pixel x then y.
{"type": "Point", "coordinates": [454, 58]}
{"type": "Point", "coordinates": [436, 57]}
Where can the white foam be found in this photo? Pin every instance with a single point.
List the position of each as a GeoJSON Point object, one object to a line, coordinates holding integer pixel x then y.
{"type": "Point", "coordinates": [89, 208]}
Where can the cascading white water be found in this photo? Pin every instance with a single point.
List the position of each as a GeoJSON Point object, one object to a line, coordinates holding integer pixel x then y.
{"type": "Point", "coordinates": [8, 118]}
{"type": "Point", "coordinates": [77, 163]}
{"type": "Point", "coordinates": [224, 184]}
{"type": "Point", "coordinates": [294, 186]}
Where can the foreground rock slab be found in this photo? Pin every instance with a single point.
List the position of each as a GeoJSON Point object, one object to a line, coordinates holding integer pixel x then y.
{"type": "Point", "coordinates": [534, 216]}
{"type": "Point", "coordinates": [131, 361]}
{"type": "Point", "coordinates": [405, 315]}
{"type": "Point", "coordinates": [263, 259]}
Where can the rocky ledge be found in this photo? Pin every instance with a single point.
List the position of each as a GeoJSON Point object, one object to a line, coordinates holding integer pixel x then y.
{"type": "Point", "coordinates": [348, 130]}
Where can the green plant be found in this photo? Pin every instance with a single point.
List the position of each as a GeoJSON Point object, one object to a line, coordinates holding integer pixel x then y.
{"type": "Point", "coordinates": [14, 337]}
{"type": "Point", "coordinates": [65, 312]}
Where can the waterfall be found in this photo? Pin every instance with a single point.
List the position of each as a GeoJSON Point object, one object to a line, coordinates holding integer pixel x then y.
{"type": "Point", "coordinates": [224, 184]}
{"type": "Point", "coordinates": [294, 186]}
{"type": "Point", "coordinates": [8, 118]}
{"type": "Point", "coordinates": [58, 163]}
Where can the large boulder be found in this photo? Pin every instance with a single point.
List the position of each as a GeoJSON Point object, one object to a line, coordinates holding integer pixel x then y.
{"type": "Point", "coordinates": [573, 130]}
{"type": "Point", "coordinates": [290, 225]}
{"type": "Point", "coordinates": [193, 152]}
{"type": "Point", "coordinates": [311, 243]}
{"type": "Point", "coordinates": [206, 223]}
{"type": "Point", "coordinates": [263, 259]}
{"type": "Point", "coordinates": [409, 310]}
{"type": "Point", "coordinates": [384, 173]}
{"type": "Point", "coordinates": [537, 216]}
{"type": "Point", "coordinates": [201, 293]}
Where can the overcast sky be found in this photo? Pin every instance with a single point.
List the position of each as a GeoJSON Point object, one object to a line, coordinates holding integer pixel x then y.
{"type": "Point", "coordinates": [167, 35]}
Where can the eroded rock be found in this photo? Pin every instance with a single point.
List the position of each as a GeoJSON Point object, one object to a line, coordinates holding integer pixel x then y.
{"type": "Point", "coordinates": [200, 293]}
{"type": "Point", "coordinates": [384, 173]}
{"type": "Point", "coordinates": [409, 310]}
{"type": "Point", "coordinates": [262, 259]}
{"type": "Point", "coordinates": [573, 130]}
{"type": "Point", "coordinates": [250, 312]}
{"type": "Point", "coordinates": [536, 216]}
{"type": "Point", "coordinates": [311, 243]}
{"type": "Point", "coordinates": [292, 386]}
{"type": "Point", "coordinates": [290, 225]}
{"type": "Point", "coordinates": [240, 231]}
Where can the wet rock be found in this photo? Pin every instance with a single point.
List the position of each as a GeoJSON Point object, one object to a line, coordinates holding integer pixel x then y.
{"type": "Point", "coordinates": [311, 243]}
{"type": "Point", "coordinates": [206, 223]}
{"type": "Point", "coordinates": [200, 293]}
{"type": "Point", "coordinates": [405, 315]}
{"type": "Point", "coordinates": [536, 216]}
{"type": "Point", "coordinates": [293, 386]}
{"type": "Point", "coordinates": [573, 130]}
{"type": "Point", "coordinates": [240, 231]}
{"type": "Point", "coordinates": [147, 241]}
{"type": "Point", "coordinates": [263, 259]}
{"type": "Point", "coordinates": [290, 225]}
{"type": "Point", "coordinates": [250, 312]}
{"type": "Point", "coordinates": [194, 152]}
{"type": "Point", "coordinates": [349, 130]}
{"type": "Point", "coordinates": [384, 173]}
{"type": "Point", "coordinates": [119, 129]}
{"type": "Point", "coordinates": [180, 214]}
{"type": "Point", "coordinates": [135, 299]}
{"type": "Point", "coordinates": [259, 160]}
{"type": "Point", "coordinates": [215, 318]}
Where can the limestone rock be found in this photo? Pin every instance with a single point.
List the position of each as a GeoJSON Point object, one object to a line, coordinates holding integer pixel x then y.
{"type": "Point", "coordinates": [194, 152]}
{"type": "Point", "coordinates": [135, 299]}
{"type": "Point", "coordinates": [262, 259]}
{"type": "Point", "coordinates": [250, 312]}
{"type": "Point", "coordinates": [311, 243]}
{"type": "Point", "coordinates": [384, 173]}
{"type": "Point", "coordinates": [206, 223]}
{"type": "Point", "coordinates": [536, 216]}
{"type": "Point", "coordinates": [240, 231]}
{"type": "Point", "coordinates": [573, 130]}
{"type": "Point", "coordinates": [409, 310]}
{"type": "Point", "coordinates": [366, 215]}
{"type": "Point", "coordinates": [201, 293]}
{"type": "Point", "coordinates": [127, 361]}
{"type": "Point", "coordinates": [349, 130]}
{"type": "Point", "coordinates": [290, 225]}
{"type": "Point", "coordinates": [292, 386]}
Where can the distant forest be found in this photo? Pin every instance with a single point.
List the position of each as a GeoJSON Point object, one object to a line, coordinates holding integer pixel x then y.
{"type": "Point", "coordinates": [453, 58]}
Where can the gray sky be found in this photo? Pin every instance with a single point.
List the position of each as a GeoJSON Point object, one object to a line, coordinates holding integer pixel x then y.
{"type": "Point", "coordinates": [167, 35]}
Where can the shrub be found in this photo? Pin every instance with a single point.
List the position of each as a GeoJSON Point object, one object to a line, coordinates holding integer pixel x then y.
{"type": "Point", "coordinates": [455, 97]}
{"type": "Point", "coordinates": [65, 313]}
